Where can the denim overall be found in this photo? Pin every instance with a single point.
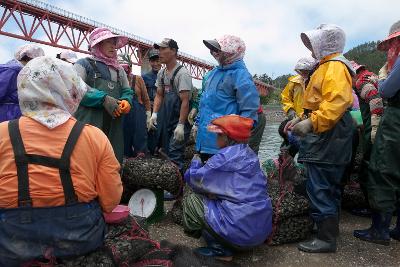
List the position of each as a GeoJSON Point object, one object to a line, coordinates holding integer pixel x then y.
{"type": "Point", "coordinates": [28, 233]}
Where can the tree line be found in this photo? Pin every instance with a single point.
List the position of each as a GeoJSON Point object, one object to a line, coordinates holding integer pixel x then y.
{"type": "Point", "coordinates": [364, 54]}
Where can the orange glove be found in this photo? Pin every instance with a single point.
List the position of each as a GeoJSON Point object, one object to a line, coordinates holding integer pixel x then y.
{"type": "Point", "coordinates": [124, 106]}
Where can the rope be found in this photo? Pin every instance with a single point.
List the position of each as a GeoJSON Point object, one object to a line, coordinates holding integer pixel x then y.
{"type": "Point", "coordinates": [283, 188]}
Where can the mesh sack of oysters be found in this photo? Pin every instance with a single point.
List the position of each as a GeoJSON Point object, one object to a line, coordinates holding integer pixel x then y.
{"type": "Point", "coordinates": [150, 173]}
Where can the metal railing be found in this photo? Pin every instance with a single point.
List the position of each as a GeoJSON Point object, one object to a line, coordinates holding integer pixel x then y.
{"type": "Point", "coordinates": [73, 16]}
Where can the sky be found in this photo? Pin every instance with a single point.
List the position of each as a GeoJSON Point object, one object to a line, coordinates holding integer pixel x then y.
{"type": "Point", "coordinates": [270, 29]}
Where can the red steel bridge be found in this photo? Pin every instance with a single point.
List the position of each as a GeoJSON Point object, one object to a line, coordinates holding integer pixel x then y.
{"type": "Point", "coordinates": [36, 21]}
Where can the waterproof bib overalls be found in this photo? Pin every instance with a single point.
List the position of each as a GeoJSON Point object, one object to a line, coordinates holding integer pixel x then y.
{"type": "Point", "coordinates": [135, 129]}
{"type": "Point", "coordinates": [27, 232]}
{"type": "Point", "coordinates": [150, 81]}
{"type": "Point", "coordinates": [384, 170]}
{"type": "Point", "coordinates": [325, 156]}
{"type": "Point", "coordinates": [366, 144]}
{"type": "Point", "coordinates": [168, 119]}
{"type": "Point", "coordinates": [99, 117]}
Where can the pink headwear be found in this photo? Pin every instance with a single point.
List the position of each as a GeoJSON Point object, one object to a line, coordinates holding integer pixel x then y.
{"type": "Point", "coordinates": [233, 47]}
{"type": "Point", "coordinates": [392, 45]}
{"type": "Point", "coordinates": [100, 34]}
{"type": "Point", "coordinates": [394, 33]}
{"type": "Point", "coordinates": [356, 66]}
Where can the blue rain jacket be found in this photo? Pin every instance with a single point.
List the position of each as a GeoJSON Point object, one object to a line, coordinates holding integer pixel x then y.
{"type": "Point", "coordinates": [228, 90]}
{"type": "Point", "coordinates": [236, 202]}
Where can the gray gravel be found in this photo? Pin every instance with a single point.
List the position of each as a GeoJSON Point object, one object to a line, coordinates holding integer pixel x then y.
{"type": "Point", "coordinates": [351, 251]}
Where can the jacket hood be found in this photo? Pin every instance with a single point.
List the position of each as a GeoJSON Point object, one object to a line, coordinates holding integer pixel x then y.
{"type": "Point", "coordinates": [232, 159]}
{"type": "Point", "coordinates": [326, 39]}
{"type": "Point", "coordinates": [305, 63]}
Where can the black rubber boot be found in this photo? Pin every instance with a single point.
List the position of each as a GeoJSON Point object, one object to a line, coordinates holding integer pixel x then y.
{"type": "Point", "coordinates": [395, 233]}
{"type": "Point", "coordinates": [325, 241]}
{"type": "Point", "coordinates": [364, 232]}
{"type": "Point", "coordinates": [214, 248]}
{"type": "Point", "coordinates": [379, 231]}
{"type": "Point", "coordinates": [361, 212]}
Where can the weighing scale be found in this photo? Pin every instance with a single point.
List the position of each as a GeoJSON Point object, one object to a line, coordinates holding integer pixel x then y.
{"type": "Point", "coordinates": [148, 204]}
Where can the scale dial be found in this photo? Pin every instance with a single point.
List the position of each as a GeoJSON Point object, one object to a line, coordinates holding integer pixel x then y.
{"type": "Point", "coordinates": [142, 203]}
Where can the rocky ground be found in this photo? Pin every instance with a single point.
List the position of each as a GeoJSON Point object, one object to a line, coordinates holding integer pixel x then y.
{"type": "Point", "coordinates": [351, 252]}
{"type": "Point", "coordinates": [274, 113]}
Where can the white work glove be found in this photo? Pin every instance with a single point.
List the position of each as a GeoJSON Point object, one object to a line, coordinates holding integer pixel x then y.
{"type": "Point", "coordinates": [153, 121]}
{"type": "Point", "coordinates": [383, 72]}
{"type": "Point", "coordinates": [291, 124]}
{"type": "Point", "coordinates": [194, 132]}
{"type": "Point", "coordinates": [375, 119]}
{"type": "Point", "coordinates": [302, 128]}
{"type": "Point", "coordinates": [192, 116]}
{"type": "Point", "coordinates": [179, 133]}
{"type": "Point", "coordinates": [148, 117]}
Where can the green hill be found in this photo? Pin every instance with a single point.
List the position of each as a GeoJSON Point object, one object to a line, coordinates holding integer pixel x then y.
{"type": "Point", "coordinates": [367, 54]}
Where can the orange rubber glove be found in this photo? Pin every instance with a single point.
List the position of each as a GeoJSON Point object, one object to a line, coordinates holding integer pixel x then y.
{"type": "Point", "coordinates": [124, 106]}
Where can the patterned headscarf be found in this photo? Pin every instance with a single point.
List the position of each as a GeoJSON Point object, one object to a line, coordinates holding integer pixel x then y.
{"type": "Point", "coordinates": [49, 91]}
{"type": "Point", "coordinates": [393, 52]}
{"type": "Point", "coordinates": [29, 50]}
{"type": "Point", "coordinates": [109, 61]}
{"type": "Point", "coordinates": [233, 48]}
{"type": "Point", "coordinates": [97, 36]}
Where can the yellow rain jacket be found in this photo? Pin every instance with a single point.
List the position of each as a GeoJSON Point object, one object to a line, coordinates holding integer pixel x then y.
{"type": "Point", "coordinates": [292, 95]}
{"type": "Point", "coordinates": [328, 94]}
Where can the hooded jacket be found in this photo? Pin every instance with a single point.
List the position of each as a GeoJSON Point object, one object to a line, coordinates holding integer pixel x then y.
{"type": "Point", "coordinates": [329, 92]}
{"type": "Point", "coordinates": [9, 105]}
{"type": "Point", "coordinates": [292, 95]}
{"type": "Point", "coordinates": [240, 210]}
{"type": "Point", "coordinates": [228, 90]}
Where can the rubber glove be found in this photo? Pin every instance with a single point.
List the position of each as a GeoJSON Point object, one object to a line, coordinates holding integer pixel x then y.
{"type": "Point", "coordinates": [383, 72]}
{"type": "Point", "coordinates": [291, 114]}
{"type": "Point", "coordinates": [375, 119]}
{"type": "Point", "coordinates": [124, 106]}
{"type": "Point", "coordinates": [148, 118]}
{"type": "Point", "coordinates": [179, 133]}
{"type": "Point", "coordinates": [302, 128]}
{"type": "Point", "coordinates": [194, 132]}
{"type": "Point", "coordinates": [110, 104]}
{"type": "Point", "coordinates": [290, 124]}
{"type": "Point", "coordinates": [153, 121]}
{"type": "Point", "coordinates": [192, 116]}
